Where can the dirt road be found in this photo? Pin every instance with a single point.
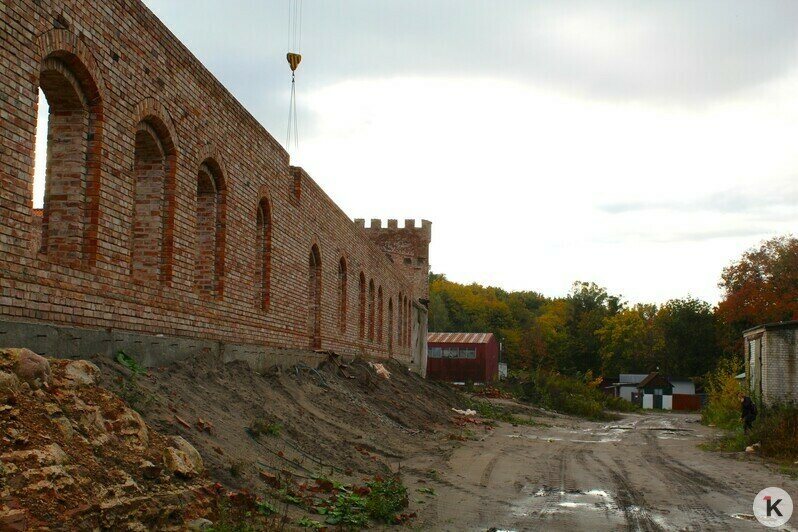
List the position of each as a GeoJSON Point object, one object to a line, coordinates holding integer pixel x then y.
{"type": "Point", "coordinates": [644, 472]}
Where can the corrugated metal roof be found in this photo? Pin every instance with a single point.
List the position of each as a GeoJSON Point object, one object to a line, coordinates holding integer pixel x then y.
{"type": "Point", "coordinates": [632, 378]}
{"type": "Point", "coordinates": [458, 338]}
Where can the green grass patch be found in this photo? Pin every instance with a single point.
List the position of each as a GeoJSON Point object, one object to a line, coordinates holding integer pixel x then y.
{"type": "Point", "coordinates": [307, 522]}
{"type": "Point", "coordinates": [129, 363]}
{"type": "Point", "coordinates": [262, 427]}
{"type": "Point", "coordinates": [776, 430]}
{"type": "Point", "coordinates": [380, 500]}
{"type": "Point", "coordinates": [496, 412]}
{"type": "Point", "coordinates": [723, 406]}
{"type": "Point", "coordinates": [571, 395]}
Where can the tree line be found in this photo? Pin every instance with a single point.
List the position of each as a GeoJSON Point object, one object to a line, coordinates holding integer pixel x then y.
{"type": "Point", "coordinates": [593, 330]}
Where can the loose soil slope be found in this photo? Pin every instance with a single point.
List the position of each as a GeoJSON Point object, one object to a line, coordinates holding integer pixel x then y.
{"type": "Point", "coordinates": [342, 420]}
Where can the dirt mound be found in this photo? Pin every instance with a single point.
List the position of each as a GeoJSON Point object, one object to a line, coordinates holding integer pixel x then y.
{"type": "Point", "coordinates": [342, 420]}
{"type": "Point", "coordinates": [74, 455]}
{"type": "Point", "coordinates": [140, 451]}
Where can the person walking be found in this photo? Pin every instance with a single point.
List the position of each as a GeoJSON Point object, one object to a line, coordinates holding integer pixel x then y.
{"type": "Point", "coordinates": [748, 414]}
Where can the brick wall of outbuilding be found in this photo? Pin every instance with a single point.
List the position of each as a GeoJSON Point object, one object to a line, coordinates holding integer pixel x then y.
{"type": "Point", "coordinates": [777, 367]}
{"type": "Point", "coordinates": [118, 81]}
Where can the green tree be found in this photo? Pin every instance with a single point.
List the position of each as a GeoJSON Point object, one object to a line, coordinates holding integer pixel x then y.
{"type": "Point", "coordinates": [689, 337]}
{"type": "Point", "coordinates": [589, 306]}
{"type": "Point", "coordinates": [629, 341]}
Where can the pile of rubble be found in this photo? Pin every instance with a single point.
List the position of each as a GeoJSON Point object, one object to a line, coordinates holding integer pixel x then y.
{"type": "Point", "coordinates": [73, 454]}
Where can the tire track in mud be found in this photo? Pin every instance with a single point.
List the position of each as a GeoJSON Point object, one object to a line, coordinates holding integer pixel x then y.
{"type": "Point", "coordinates": [690, 481]}
{"type": "Point", "coordinates": [629, 501]}
{"type": "Point", "coordinates": [478, 494]}
{"type": "Point", "coordinates": [488, 471]}
{"type": "Point", "coordinates": [556, 483]}
{"type": "Point", "coordinates": [632, 503]}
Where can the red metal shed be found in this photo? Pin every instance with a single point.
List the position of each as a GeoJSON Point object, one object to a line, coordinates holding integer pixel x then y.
{"type": "Point", "coordinates": [461, 357]}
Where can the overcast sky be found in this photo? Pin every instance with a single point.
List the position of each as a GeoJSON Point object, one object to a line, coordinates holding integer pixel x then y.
{"type": "Point", "coordinates": [640, 145]}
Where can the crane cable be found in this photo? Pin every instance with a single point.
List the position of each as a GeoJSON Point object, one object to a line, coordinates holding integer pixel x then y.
{"type": "Point", "coordinates": [294, 57]}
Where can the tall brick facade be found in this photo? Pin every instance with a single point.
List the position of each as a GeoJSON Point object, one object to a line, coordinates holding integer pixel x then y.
{"type": "Point", "coordinates": [169, 211]}
{"type": "Point", "coordinates": [771, 354]}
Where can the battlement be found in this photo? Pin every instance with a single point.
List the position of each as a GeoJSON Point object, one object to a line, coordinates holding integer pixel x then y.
{"type": "Point", "coordinates": [406, 246]}
{"type": "Point", "coordinates": [375, 224]}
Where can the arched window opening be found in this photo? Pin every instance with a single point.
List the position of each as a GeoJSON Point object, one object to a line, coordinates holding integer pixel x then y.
{"type": "Point", "coordinates": [263, 254]}
{"type": "Point", "coordinates": [390, 325]}
{"type": "Point", "coordinates": [371, 310]}
{"type": "Point", "coordinates": [40, 152]}
{"type": "Point", "coordinates": [68, 159]}
{"type": "Point", "coordinates": [39, 170]}
{"type": "Point", "coordinates": [408, 323]}
{"type": "Point", "coordinates": [210, 226]}
{"type": "Point", "coordinates": [379, 315]}
{"type": "Point", "coordinates": [149, 170]}
{"type": "Point", "coordinates": [314, 298]}
{"type": "Point", "coordinates": [399, 320]}
{"type": "Point", "coordinates": [342, 295]}
{"type": "Point", "coordinates": [362, 298]}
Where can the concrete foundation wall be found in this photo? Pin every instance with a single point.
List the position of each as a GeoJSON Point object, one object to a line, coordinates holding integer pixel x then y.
{"type": "Point", "coordinates": [148, 350]}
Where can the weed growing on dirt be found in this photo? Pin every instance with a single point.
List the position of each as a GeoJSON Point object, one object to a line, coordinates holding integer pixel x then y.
{"type": "Point", "coordinates": [307, 522]}
{"type": "Point", "coordinates": [261, 427]}
{"type": "Point", "coordinates": [353, 507]}
{"type": "Point", "coordinates": [387, 497]}
{"type": "Point", "coordinates": [776, 430]}
{"type": "Point", "coordinates": [134, 395]}
{"type": "Point", "coordinates": [266, 508]}
{"type": "Point", "coordinates": [433, 474]}
{"type": "Point", "coordinates": [723, 407]}
{"type": "Point", "coordinates": [237, 467]}
{"type": "Point", "coordinates": [290, 497]}
{"type": "Point", "coordinates": [346, 510]}
{"type": "Point", "coordinates": [731, 442]}
{"type": "Point", "coordinates": [129, 363]}
{"type": "Point", "coordinates": [490, 410]}
{"type": "Point", "coordinates": [570, 395]}
{"type": "Point", "coordinates": [247, 516]}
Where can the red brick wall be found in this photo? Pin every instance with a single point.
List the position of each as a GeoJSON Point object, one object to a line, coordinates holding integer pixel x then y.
{"type": "Point", "coordinates": [112, 71]}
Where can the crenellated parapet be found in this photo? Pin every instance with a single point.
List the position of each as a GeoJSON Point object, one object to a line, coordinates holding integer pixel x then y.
{"type": "Point", "coordinates": [407, 246]}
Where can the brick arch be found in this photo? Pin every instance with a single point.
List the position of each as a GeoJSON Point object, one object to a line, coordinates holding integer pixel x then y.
{"type": "Point", "coordinates": [389, 330]}
{"type": "Point", "coordinates": [73, 85]}
{"type": "Point", "coordinates": [314, 296]}
{"type": "Point", "coordinates": [209, 153]}
{"type": "Point", "coordinates": [151, 116]}
{"type": "Point", "coordinates": [380, 310]}
{"type": "Point", "coordinates": [343, 291]}
{"type": "Point", "coordinates": [152, 111]}
{"type": "Point", "coordinates": [263, 249]}
{"type": "Point", "coordinates": [210, 227]}
{"type": "Point", "coordinates": [372, 309]}
{"type": "Point", "coordinates": [68, 47]}
{"type": "Point", "coordinates": [362, 305]}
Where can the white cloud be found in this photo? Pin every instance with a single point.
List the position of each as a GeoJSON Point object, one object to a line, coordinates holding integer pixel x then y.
{"type": "Point", "coordinates": [514, 178]}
